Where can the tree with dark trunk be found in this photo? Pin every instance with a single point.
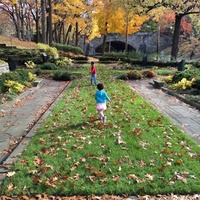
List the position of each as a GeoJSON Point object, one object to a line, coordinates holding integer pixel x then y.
{"type": "Point", "coordinates": [176, 37]}
{"type": "Point", "coordinates": [50, 22]}
{"type": "Point", "coordinates": [43, 9]}
{"type": "Point", "coordinates": [180, 9]}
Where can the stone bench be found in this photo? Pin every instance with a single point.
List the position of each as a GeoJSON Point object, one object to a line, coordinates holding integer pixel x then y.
{"type": "Point", "coordinates": [158, 84]}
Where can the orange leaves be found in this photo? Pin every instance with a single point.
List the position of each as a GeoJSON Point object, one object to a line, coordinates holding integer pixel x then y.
{"type": "Point", "coordinates": [38, 161]}
{"type": "Point", "coordinates": [18, 43]}
{"type": "Point", "coordinates": [141, 163]}
{"type": "Point", "coordinates": [178, 161]}
{"type": "Point", "coordinates": [144, 144]}
{"type": "Point", "coordinates": [99, 174]}
{"type": "Point", "coordinates": [11, 187]}
{"type": "Point", "coordinates": [115, 178]}
{"type": "Point", "coordinates": [137, 131]}
{"type": "Point", "coordinates": [37, 179]}
{"type": "Point", "coordinates": [150, 176]}
{"type": "Point", "coordinates": [134, 177]}
{"type": "Point", "coordinates": [166, 151]}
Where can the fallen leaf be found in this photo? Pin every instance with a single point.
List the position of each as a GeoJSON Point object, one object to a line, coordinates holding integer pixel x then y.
{"type": "Point", "coordinates": [150, 176]}
{"type": "Point", "coordinates": [9, 174]}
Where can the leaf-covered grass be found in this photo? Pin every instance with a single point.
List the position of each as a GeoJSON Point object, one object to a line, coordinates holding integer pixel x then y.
{"type": "Point", "coordinates": [138, 151]}
{"type": "Point", "coordinates": [12, 41]}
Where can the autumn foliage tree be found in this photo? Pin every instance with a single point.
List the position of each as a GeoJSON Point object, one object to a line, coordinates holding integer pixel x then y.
{"type": "Point", "coordinates": [117, 17]}
{"type": "Point", "coordinates": [180, 8]}
{"type": "Point", "coordinates": [129, 21]}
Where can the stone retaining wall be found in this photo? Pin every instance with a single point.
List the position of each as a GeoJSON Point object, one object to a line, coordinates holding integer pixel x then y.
{"type": "Point", "coordinates": [4, 68]}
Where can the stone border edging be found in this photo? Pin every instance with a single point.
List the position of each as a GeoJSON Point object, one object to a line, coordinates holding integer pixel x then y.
{"type": "Point", "coordinates": [196, 105]}
{"type": "Point", "coordinates": [180, 97]}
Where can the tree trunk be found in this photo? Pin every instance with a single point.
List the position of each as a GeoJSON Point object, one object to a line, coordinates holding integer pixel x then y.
{"type": "Point", "coordinates": [36, 18]}
{"type": "Point", "coordinates": [126, 35]}
{"type": "Point", "coordinates": [50, 23]}
{"type": "Point", "coordinates": [43, 7]}
{"type": "Point", "coordinates": [37, 29]}
{"type": "Point", "coordinates": [22, 29]}
{"type": "Point", "coordinates": [76, 39]}
{"type": "Point", "coordinates": [55, 33]}
{"type": "Point", "coordinates": [104, 38]}
{"type": "Point", "coordinates": [18, 27]}
{"type": "Point", "coordinates": [176, 36]}
{"type": "Point", "coordinates": [158, 42]}
{"type": "Point", "coordinates": [104, 44]}
{"type": "Point", "coordinates": [66, 40]}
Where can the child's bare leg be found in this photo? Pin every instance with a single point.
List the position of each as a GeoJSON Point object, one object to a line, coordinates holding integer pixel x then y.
{"type": "Point", "coordinates": [101, 115]}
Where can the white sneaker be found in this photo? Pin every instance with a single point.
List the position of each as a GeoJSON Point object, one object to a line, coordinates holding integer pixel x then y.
{"type": "Point", "coordinates": [104, 119]}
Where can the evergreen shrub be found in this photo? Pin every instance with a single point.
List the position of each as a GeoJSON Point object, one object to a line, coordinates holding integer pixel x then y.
{"type": "Point", "coordinates": [68, 48]}
{"type": "Point", "coordinates": [20, 76]}
{"type": "Point", "coordinates": [123, 77]}
{"type": "Point", "coordinates": [197, 83]}
{"type": "Point", "coordinates": [134, 75]}
{"type": "Point", "coordinates": [188, 74]}
{"type": "Point", "coordinates": [61, 76]}
{"type": "Point", "coordinates": [48, 66]}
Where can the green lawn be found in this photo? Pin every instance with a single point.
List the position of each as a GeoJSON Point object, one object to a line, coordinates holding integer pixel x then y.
{"type": "Point", "coordinates": [75, 154]}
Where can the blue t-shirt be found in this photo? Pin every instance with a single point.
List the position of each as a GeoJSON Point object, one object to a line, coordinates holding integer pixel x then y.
{"type": "Point", "coordinates": [101, 96]}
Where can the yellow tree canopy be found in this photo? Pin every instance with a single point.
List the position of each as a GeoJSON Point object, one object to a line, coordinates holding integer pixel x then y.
{"type": "Point", "coordinates": [111, 17]}
{"type": "Point", "coordinates": [131, 20]}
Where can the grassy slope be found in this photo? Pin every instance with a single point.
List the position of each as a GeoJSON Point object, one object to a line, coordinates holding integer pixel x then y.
{"type": "Point", "coordinates": [11, 41]}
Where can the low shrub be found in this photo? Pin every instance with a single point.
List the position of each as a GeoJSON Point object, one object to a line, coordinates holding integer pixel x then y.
{"type": "Point", "coordinates": [183, 84]}
{"type": "Point", "coordinates": [14, 86]}
{"type": "Point", "coordinates": [10, 96]}
{"type": "Point", "coordinates": [30, 64]}
{"type": "Point", "coordinates": [23, 75]}
{"type": "Point", "coordinates": [166, 79]}
{"type": "Point", "coordinates": [64, 62]}
{"type": "Point", "coordinates": [38, 72]}
{"type": "Point", "coordinates": [68, 48]}
{"type": "Point", "coordinates": [51, 52]}
{"type": "Point", "coordinates": [20, 76]}
{"type": "Point", "coordinates": [116, 55]}
{"type": "Point", "coordinates": [197, 83]}
{"type": "Point", "coordinates": [188, 74]}
{"type": "Point", "coordinates": [134, 55]}
{"type": "Point", "coordinates": [123, 77]}
{"type": "Point", "coordinates": [134, 75]}
{"type": "Point", "coordinates": [31, 77]}
{"type": "Point", "coordinates": [61, 76]}
{"type": "Point", "coordinates": [149, 73]}
{"type": "Point", "coordinates": [48, 66]}
{"type": "Point", "coordinates": [20, 56]}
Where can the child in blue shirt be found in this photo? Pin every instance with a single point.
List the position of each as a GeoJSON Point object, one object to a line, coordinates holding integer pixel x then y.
{"type": "Point", "coordinates": [101, 97]}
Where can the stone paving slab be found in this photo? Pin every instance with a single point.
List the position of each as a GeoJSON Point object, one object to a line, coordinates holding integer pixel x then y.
{"type": "Point", "coordinates": [24, 116]}
{"type": "Point", "coordinates": [185, 116]}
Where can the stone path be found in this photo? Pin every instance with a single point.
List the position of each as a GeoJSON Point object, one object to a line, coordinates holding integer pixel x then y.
{"type": "Point", "coordinates": [19, 120]}
{"type": "Point", "coordinates": [183, 115]}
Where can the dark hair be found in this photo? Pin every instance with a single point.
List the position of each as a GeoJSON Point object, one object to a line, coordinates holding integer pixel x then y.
{"type": "Point", "coordinates": [92, 63]}
{"type": "Point", "coordinates": [100, 86]}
